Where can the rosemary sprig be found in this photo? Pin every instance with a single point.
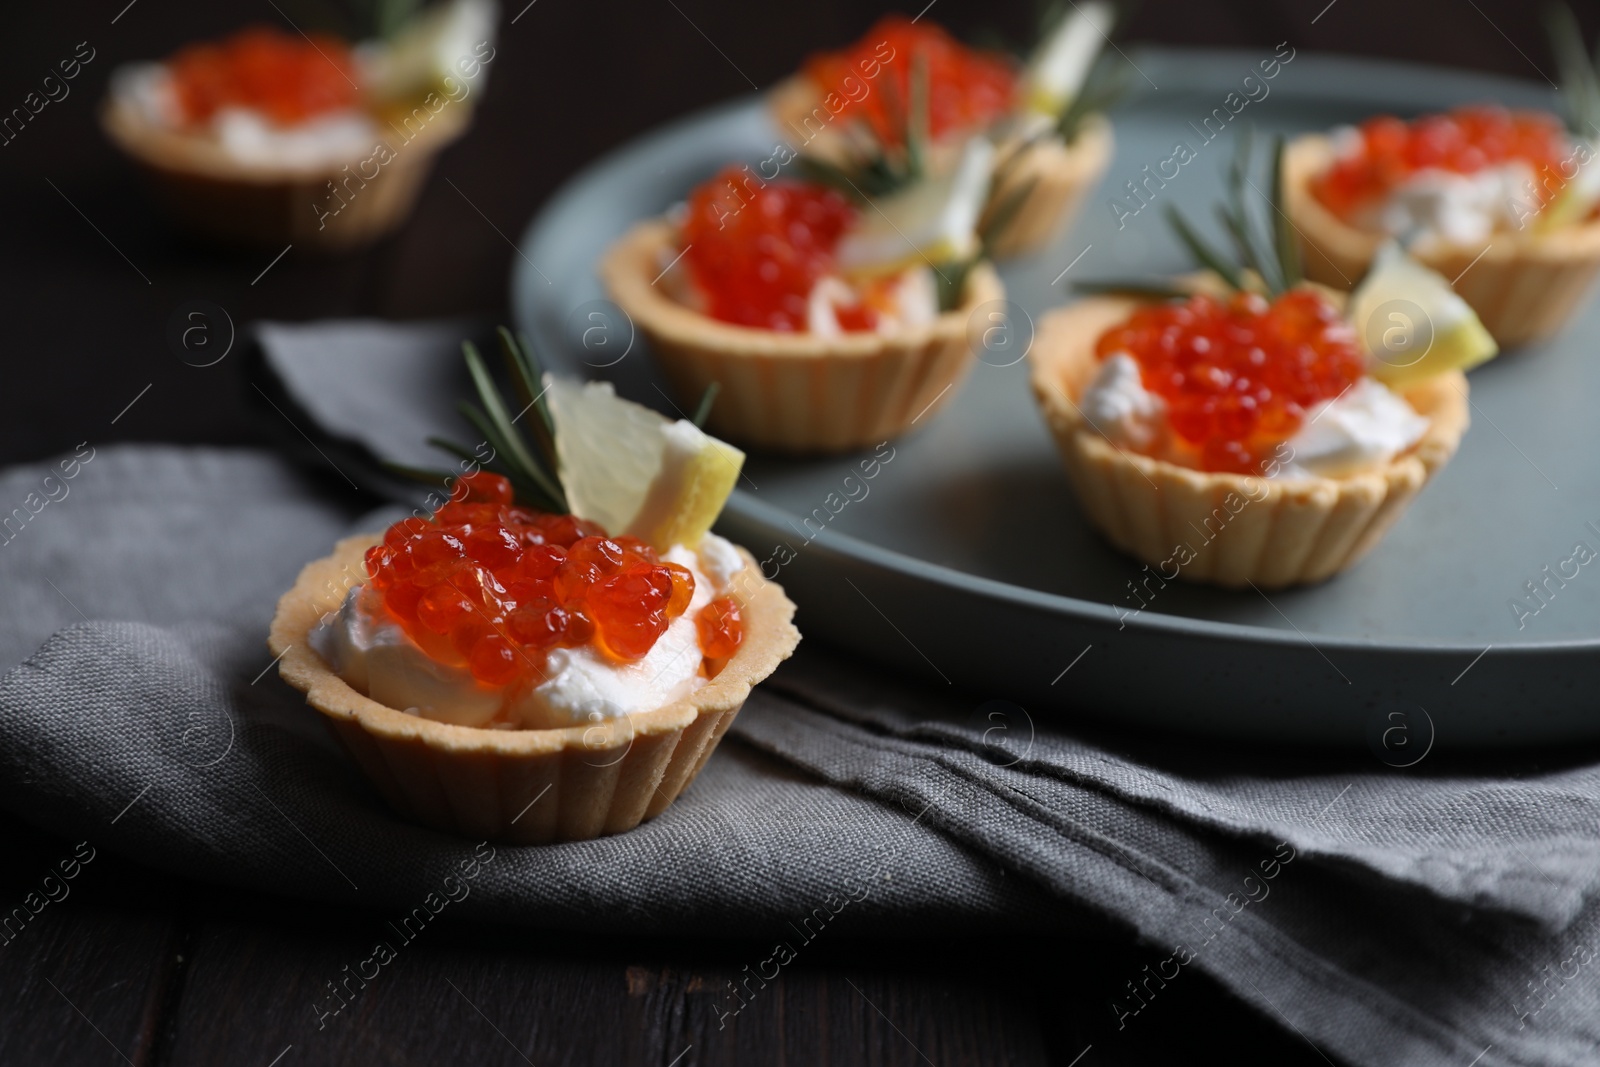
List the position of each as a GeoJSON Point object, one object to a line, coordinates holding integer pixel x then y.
{"type": "Point", "coordinates": [1290, 267]}
{"type": "Point", "coordinates": [388, 16]}
{"type": "Point", "coordinates": [868, 177]}
{"type": "Point", "coordinates": [702, 410]}
{"type": "Point", "coordinates": [531, 466]}
{"type": "Point", "coordinates": [1153, 288]}
{"type": "Point", "coordinates": [1579, 72]}
{"type": "Point", "coordinates": [1272, 254]}
{"type": "Point", "coordinates": [873, 168]}
{"type": "Point", "coordinates": [1253, 252]}
{"type": "Point", "coordinates": [917, 123]}
{"type": "Point", "coordinates": [952, 280]}
{"type": "Point", "coordinates": [1206, 256]}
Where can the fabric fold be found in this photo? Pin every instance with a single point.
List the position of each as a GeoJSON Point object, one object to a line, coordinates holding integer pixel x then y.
{"type": "Point", "coordinates": [1524, 845]}
{"type": "Point", "coordinates": [1390, 918]}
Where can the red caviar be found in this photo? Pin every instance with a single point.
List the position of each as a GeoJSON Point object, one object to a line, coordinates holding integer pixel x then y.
{"type": "Point", "coordinates": [721, 628]}
{"type": "Point", "coordinates": [289, 78]}
{"type": "Point", "coordinates": [1465, 141]}
{"type": "Point", "coordinates": [755, 249]}
{"type": "Point", "coordinates": [494, 587]}
{"type": "Point", "coordinates": [1239, 374]}
{"type": "Point", "coordinates": [967, 89]}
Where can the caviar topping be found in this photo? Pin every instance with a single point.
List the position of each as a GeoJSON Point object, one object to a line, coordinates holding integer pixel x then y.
{"type": "Point", "coordinates": [1239, 374]}
{"type": "Point", "coordinates": [755, 249]}
{"type": "Point", "coordinates": [966, 89]}
{"type": "Point", "coordinates": [494, 587]}
{"type": "Point", "coordinates": [1463, 141]}
{"type": "Point", "coordinates": [721, 628]}
{"type": "Point", "coordinates": [287, 78]}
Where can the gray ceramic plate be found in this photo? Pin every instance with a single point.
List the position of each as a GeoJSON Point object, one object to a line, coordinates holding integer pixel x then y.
{"type": "Point", "coordinates": [968, 562]}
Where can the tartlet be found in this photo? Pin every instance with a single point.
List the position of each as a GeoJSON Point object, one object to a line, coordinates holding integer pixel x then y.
{"type": "Point", "coordinates": [1525, 285]}
{"type": "Point", "coordinates": [1054, 143]}
{"type": "Point", "coordinates": [214, 196]}
{"type": "Point", "coordinates": [1052, 178]}
{"type": "Point", "coordinates": [1277, 532]}
{"type": "Point", "coordinates": [794, 392]}
{"type": "Point", "coordinates": [266, 138]}
{"type": "Point", "coordinates": [1186, 411]}
{"type": "Point", "coordinates": [508, 668]}
{"type": "Point", "coordinates": [524, 786]}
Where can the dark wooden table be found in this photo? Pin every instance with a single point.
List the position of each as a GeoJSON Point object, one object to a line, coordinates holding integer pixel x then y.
{"type": "Point", "coordinates": [141, 967]}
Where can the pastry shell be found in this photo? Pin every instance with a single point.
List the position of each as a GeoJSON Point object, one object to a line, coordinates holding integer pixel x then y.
{"type": "Point", "coordinates": [524, 786]}
{"type": "Point", "coordinates": [1061, 175]}
{"type": "Point", "coordinates": [793, 392]}
{"type": "Point", "coordinates": [1524, 286]}
{"type": "Point", "coordinates": [1239, 529]}
{"type": "Point", "coordinates": [215, 196]}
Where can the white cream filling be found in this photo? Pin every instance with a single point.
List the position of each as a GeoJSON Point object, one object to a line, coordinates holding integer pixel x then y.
{"type": "Point", "coordinates": [1120, 407]}
{"type": "Point", "coordinates": [335, 137]}
{"type": "Point", "coordinates": [1366, 426]}
{"type": "Point", "coordinates": [913, 300]}
{"type": "Point", "coordinates": [371, 652]}
{"type": "Point", "coordinates": [1442, 205]}
{"type": "Point", "coordinates": [247, 135]}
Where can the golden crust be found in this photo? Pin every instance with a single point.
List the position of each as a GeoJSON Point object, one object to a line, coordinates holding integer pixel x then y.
{"type": "Point", "coordinates": [1239, 529]}
{"type": "Point", "coordinates": [793, 392]}
{"type": "Point", "coordinates": [1061, 176]}
{"type": "Point", "coordinates": [1524, 286]}
{"type": "Point", "coordinates": [606, 777]}
{"type": "Point", "coordinates": [217, 196]}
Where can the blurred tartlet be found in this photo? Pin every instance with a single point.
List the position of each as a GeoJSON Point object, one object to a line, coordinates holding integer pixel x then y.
{"type": "Point", "coordinates": [1046, 117]}
{"type": "Point", "coordinates": [1504, 203]}
{"type": "Point", "coordinates": [267, 137]}
{"type": "Point", "coordinates": [1456, 187]}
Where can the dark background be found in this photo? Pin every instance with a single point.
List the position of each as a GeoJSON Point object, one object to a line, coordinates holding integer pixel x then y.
{"type": "Point", "coordinates": [141, 968]}
{"type": "Point", "coordinates": [84, 332]}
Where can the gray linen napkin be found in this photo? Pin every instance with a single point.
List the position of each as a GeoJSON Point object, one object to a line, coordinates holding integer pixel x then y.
{"type": "Point", "coordinates": [150, 721]}
{"type": "Point", "coordinates": [1390, 918]}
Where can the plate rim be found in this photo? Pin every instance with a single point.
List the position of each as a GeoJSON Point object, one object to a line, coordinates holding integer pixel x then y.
{"type": "Point", "coordinates": [1323, 76]}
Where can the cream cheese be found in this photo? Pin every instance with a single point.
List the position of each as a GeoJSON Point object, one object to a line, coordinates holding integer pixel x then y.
{"type": "Point", "coordinates": [912, 300]}
{"type": "Point", "coordinates": [1366, 426]}
{"type": "Point", "coordinates": [244, 134]}
{"type": "Point", "coordinates": [326, 140]}
{"type": "Point", "coordinates": [373, 653]}
{"type": "Point", "coordinates": [1120, 407]}
{"type": "Point", "coordinates": [1444, 205]}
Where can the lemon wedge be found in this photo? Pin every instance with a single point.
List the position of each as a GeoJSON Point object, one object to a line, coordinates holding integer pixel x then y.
{"type": "Point", "coordinates": [1061, 62]}
{"type": "Point", "coordinates": [1413, 323]}
{"type": "Point", "coordinates": [440, 43]}
{"type": "Point", "coordinates": [637, 472]}
{"type": "Point", "coordinates": [1576, 199]}
{"type": "Point", "coordinates": [934, 220]}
